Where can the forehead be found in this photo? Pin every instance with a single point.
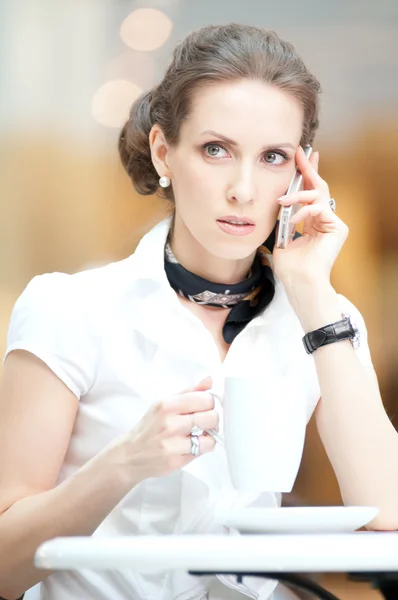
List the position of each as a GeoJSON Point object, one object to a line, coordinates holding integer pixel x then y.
{"type": "Point", "coordinates": [246, 110]}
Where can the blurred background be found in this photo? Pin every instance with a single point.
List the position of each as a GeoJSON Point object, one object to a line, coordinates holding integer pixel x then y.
{"type": "Point", "coordinates": [69, 72]}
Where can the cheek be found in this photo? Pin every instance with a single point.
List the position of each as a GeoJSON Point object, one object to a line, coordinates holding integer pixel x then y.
{"type": "Point", "coordinates": [195, 181]}
{"type": "Point", "coordinates": [282, 185]}
{"type": "Point", "coordinates": [273, 185]}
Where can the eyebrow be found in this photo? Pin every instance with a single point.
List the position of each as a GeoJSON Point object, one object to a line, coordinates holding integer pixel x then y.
{"type": "Point", "coordinates": [233, 143]}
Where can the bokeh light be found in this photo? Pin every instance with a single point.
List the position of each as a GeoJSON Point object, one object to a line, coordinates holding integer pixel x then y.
{"type": "Point", "coordinates": [146, 29]}
{"type": "Point", "coordinates": [112, 101]}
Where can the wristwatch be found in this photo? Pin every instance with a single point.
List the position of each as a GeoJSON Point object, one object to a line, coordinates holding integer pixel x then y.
{"type": "Point", "coordinates": [335, 332]}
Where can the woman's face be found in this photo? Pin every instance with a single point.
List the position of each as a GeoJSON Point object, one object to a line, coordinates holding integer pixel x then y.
{"type": "Point", "coordinates": [234, 159]}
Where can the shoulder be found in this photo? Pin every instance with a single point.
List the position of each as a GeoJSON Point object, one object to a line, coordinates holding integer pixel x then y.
{"type": "Point", "coordinates": [52, 301]}
{"type": "Point", "coordinates": [94, 293]}
{"type": "Point", "coordinates": [78, 291]}
{"type": "Point", "coordinates": [57, 318]}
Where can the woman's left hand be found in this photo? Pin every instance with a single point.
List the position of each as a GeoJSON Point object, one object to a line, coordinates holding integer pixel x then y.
{"type": "Point", "coordinates": [310, 258]}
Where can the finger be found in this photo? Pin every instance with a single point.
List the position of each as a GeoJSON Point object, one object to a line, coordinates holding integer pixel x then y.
{"type": "Point", "coordinates": [305, 197]}
{"type": "Point", "coordinates": [175, 424]}
{"type": "Point", "coordinates": [314, 210]}
{"type": "Point", "coordinates": [206, 444]}
{"type": "Point", "coordinates": [177, 447]}
{"type": "Point", "coordinates": [204, 420]}
{"type": "Point", "coordinates": [311, 177]}
{"type": "Point", "coordinates": [190, 402]}
{"type": "Point", "coordinates": [314, 160]}
{"type": "Point", "coordinates": [186, 459]}
{"type": "Point", "coordinates": [205, 384]}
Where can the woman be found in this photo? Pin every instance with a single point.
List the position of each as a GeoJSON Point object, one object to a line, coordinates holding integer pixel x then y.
{"type": "Point", "coordinates": [107, 370]}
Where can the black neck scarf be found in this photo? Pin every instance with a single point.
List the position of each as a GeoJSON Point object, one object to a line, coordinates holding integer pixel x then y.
{"type": "Point", "coordinates": [247, 298]}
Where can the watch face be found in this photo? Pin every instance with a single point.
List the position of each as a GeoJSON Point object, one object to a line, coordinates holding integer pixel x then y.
{"type": "Point", "coordinates": [356, 339]}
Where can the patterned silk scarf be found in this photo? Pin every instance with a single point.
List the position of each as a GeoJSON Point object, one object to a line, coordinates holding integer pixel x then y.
{"type": "Point", "coordinates": [247, 298]}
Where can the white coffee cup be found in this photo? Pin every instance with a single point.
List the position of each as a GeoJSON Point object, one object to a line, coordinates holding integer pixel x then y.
{"type": "Point", "coordinates": [264, 431]}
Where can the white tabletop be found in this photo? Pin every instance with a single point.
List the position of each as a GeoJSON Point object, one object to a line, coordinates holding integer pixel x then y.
{"type": "Point", "coordinates": [353, 552]}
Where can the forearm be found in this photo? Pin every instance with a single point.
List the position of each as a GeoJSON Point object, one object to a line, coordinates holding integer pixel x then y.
{"type": "Point", "coordinates": [360, 441]}
{"type": "Point", "coordinates": [75, 507]}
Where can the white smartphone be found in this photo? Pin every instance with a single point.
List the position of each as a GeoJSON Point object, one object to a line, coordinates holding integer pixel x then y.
{"type": "Point", "coordinates": [285, 228]}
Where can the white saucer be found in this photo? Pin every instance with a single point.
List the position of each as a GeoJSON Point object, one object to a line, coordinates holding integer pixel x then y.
{"type": "Point", "coordinates": [311, 519]}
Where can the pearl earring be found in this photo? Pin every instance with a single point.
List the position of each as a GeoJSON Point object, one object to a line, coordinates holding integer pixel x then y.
{"type": "Point", "coordinates": [164, 181]}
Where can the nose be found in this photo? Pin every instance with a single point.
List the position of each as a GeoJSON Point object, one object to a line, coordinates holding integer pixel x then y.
{"type": "Point", "coordinates": [242, 187]}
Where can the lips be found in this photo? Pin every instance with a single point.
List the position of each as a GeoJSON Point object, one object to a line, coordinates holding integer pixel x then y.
{"type": "Point", "coordinates": [235, 220]}
{"type": "Point", "coordinates": [238, 226]}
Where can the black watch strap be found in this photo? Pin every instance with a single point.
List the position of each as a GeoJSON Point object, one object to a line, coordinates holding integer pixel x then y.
{"type": "Point", "coordinates": [335, 332]}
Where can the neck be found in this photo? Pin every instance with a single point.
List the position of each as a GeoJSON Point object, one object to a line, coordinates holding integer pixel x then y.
{"type": "Point", "coordinates": [195, 258]}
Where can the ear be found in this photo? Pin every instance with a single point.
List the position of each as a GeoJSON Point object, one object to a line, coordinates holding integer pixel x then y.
{"type": "Point", "coordinates": [159, 151]}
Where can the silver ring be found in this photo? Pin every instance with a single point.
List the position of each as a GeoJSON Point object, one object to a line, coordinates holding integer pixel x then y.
{"type": "Point", "coordinates": [195, 445]}
{"type": "Point", "coordinates": [332, 204]}
{"type": "Point", "coordinates": [195, 430]}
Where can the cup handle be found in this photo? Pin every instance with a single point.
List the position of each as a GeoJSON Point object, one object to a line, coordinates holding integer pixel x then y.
{"type": "Point", "coordinates": [216, 396]}
{"type": "Point", "coordinates": [213, 432]}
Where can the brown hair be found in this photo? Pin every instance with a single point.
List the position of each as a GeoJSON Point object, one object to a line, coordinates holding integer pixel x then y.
{"type": "Point", "coordinates": [218, 53]}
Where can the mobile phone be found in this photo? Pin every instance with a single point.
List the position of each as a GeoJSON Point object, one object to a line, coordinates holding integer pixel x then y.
{"type": "Point", "coordinates": [285, 228]}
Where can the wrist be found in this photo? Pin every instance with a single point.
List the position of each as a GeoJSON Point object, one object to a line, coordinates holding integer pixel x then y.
{"type": "Point", "coordinates": [113, 462]}
{"type": "Point", "coordinates": [315, 305]}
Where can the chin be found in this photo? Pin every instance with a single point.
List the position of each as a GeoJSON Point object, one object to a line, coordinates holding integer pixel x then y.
{"type": "Point", "coordinates": [235, 250]}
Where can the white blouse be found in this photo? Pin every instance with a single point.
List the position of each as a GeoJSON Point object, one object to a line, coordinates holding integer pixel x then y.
{"type": "Point", "coordinates": [118, 337]}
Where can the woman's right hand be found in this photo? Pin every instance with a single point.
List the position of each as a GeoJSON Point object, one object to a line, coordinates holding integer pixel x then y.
{"type": "Point", "coordinates": [160, 442]}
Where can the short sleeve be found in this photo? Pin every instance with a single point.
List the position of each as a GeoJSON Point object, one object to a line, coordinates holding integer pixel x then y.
{"type": "Point", "coordinates": [50, 319]}
{"type": "Point", "coordinates": [363, 352]}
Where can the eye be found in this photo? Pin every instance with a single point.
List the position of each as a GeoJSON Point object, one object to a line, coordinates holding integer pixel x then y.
{"type": "Point", "coordinates": [212, 150]}
{"type": "Point", "coordinates": [275, 158]}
